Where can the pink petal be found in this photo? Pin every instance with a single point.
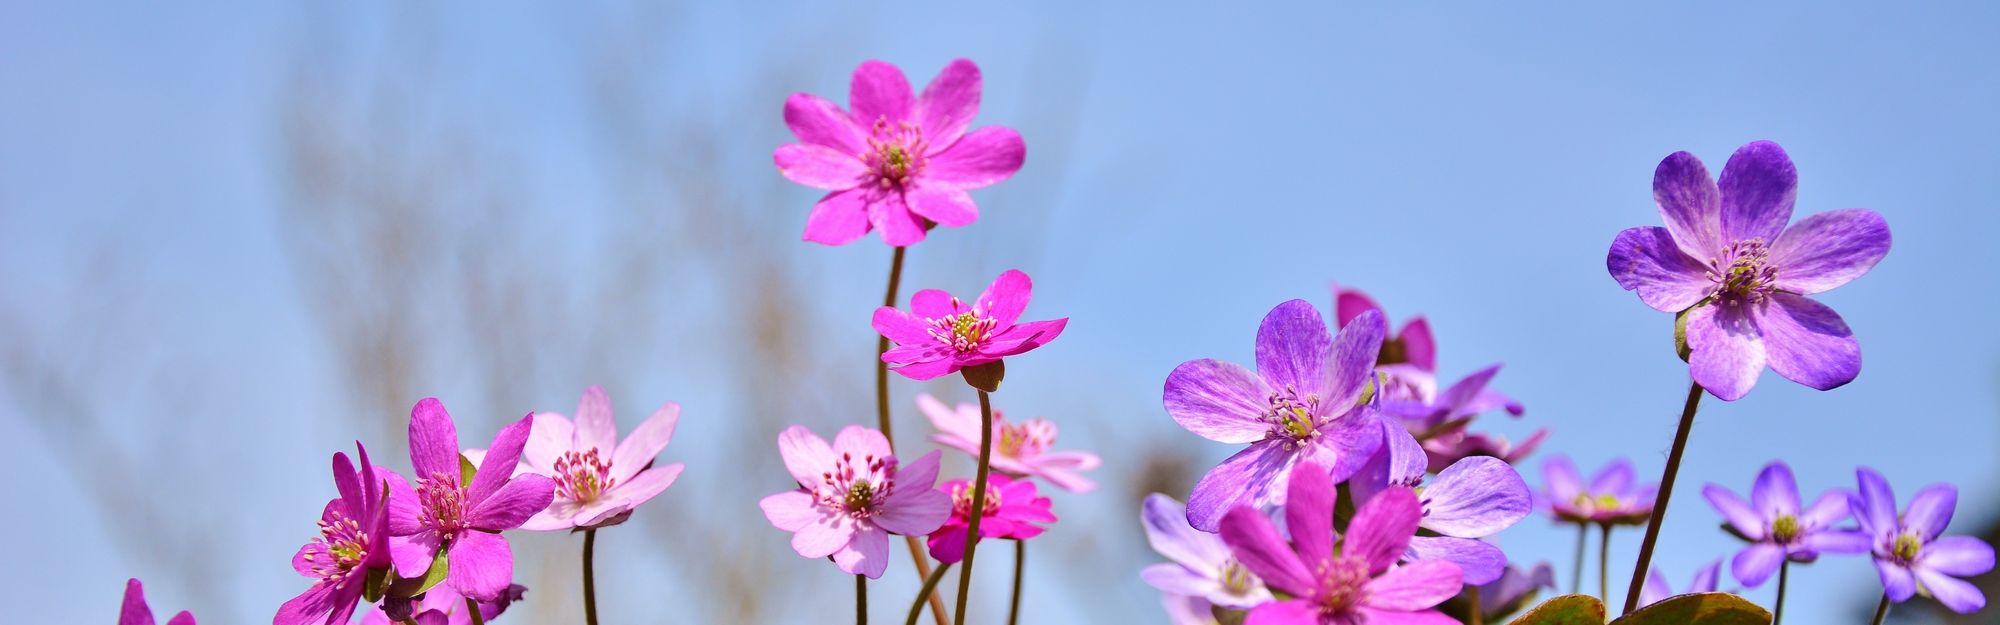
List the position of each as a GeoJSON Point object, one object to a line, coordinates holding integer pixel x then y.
{"type": "Point", "coordinates": [927, 370]}
{"type": "Point", "coordinates": [512, 503]}
{"type": "Point", "coordinates": [1060, 467]}
{"type": "Point", "coordinates": [551, 436]}
{"type": "Point", "coordinates": [134, 610]}
{"type": "Point", "coordinates": [184, 618]}
{"type": "Point", "coordinates": [806, 455]}
{"type": "Point", "coordinates": [817, 121]}
{"type": "Point", "coordinates": [309, 608]}
{"type": "Point", "coordinates": [412, 554]}
{"type": "Point", "coordinates": [915, 512]}
{"type": "Point", "coordinates": [819, 167]}
{"type": "Point", "coordinates": [1728, 350]}
{"type": "Point", "coordinates": [501, 459]}
{"type": "Point", "coordinates": [1649, 261]}
{"type": "Point", "coordinates": [1350, 303]}
{"type": "Point", "coordinates": [961, 421]}
{"type": "Point", "coordinates": [433, 441]}
{"type": "Point", "coordinates": [1690, 204]}
{"type": "Point", "coordinates": [1758, 186]}
{"type": "Point", "coordinates": [860, 442]}
{"type": "Point", "coordinates": [1219, 401]}
{"type": "Point", "coordinates": [560, 515]}
{"type": "Point", "coordinates": [1829, 249]}
{"type": "Point", "coordinates": [979, 159]}
{"type": "Point", "coordinates": [595, 428]}
{"type": "Point", "coordinates": [949, 103]}
{"type": "Point", "coordinates": [1021, 338]}
{"type": "Point", "coordinates": [482, 565]}
{"type": "Point", "coordinates": [791, 510]}
{"type": "Point", "coordinates": [1377, 616]}
{"type": "Point", "coordinates": [948, 544]}
{"type": "Point", "coordinates": [840, 217]}
{"type": "Point", "coordinates": [901, 327]}
{"type": "Point", "coordinates": [644, 444]}
{"type": "Point", "coordinates": [867, 554]}
{"type": "Point", "coordinates": [1419, 348]}
{"type": "Point", "coordinates": [1309, 513]}
{"type": "Point", "coordinates": [403, 506]}
{"type": "Point", "coordinates": [936, 304]}
{"type": "Point", "coordinates": [899, 226]}
{"type": "Point", "coordinates": [1415, 586]}
{"type": "Point", "coordinates": [1255, 542]}
{"type": "Point", "coordinates": [1288, 612]}
{"type": "Point", "coordinates": [826, 534]}
{"type": "Point", "coordinates": [1808, 343]}
{"type": "Point", "coordinates": [879, 92]}
{"type": "Point", "coordinates": [1382, 528]}
{"type": "Point", "coordinates": [1007, 297]}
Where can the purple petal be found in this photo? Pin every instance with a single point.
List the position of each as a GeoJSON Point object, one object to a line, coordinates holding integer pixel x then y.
{"type": "Point", "coordinates": [1897, 582]}
{"type": "Point", "coordinates": [1735, 511]}
{"type": "Point", "coordinates": [1614, 478]}
{"type": "Point", "coordinates": [1728, 350]}
{"type": "Point", "coordinates": [1244, 479]}
{"type": "Point", "coordinates": [1354, 351]}
{"type": "Point", "coordinates": [1186, 610]}
{"type": "Point", "coordinates": [513, 503]}
{"type": "Point", "coordinates": [1292, 350]}
{"type": "Point", "coordinates": [1808, 343]}
{"type": "Point", "coordinates": [1021, 338]}
{"type": "Point", "coordinates": [1309, 513]}
{"type": "Point", "coordinates": [948, 206]}
{"type": "Point", "coordinates": [867, 554]}
{"type": "Point", "coordinates": [879, 92]}
{"type": "Point", "coordinates": [840, 217]}
{"type": "Point", "coordinates": [1219, 401]}
{"type": "Point", "coordinates": [1827, 511]}
{"type": "Point", "coordinates": [1176, 579]}
{"type": "Point", "coordinates": [1346, 443]}
{"type": "Point", "coordinates": [1930, 510]}
{"type": "Point", "coordinates": [1877, 512]}
{"type": "Point", "coordinates": [1647, 260]}
{"type": "Point", "coordinates": [1962, 556]}
{"type": "Point", "coordinates": [1657, 588]}
{"type": "Point", "coordinates": [1256, 543]}
{"type": "Point", "coordinates": [1705, 577]}
{"type": "Point", "coordinates": [790, 510]}
{"type": "Point", "coordinates": [1758, 185]}
{"type": "Point", "coordinates": [921, 370]}
{"type": "Point", "coordinates": [1474, 498]}
{"type": "Point", "coordinates": [1399, 460]}
{"type": "Point", "coordinates": [482, 565]}
{"type": "Point", "coordinates": [412, 555]}
{"type": "Point", "coordinates": [818, 166]}
{"type": "Point", "coordinates": [1839, 541]}
{"type": "Point", "coordinates": [1775, 493]}
{"type": "Point", "coordinates": [1829, 249]}
{"type": "Point", "coordinates": [949, 103]}
{"type": "Point", "coordinates": [1560, 477]}
{"type": "Point", "coordinates": [501, 459]}
{"type": "Point", "coordinates": [891, 214]}
{"type": "Point", "coordinates": [1419, 348]}
{"type": "Point", "coordinates": [644, 444]}
{"type": "Point", "coordinates": [1288, 612]}
{"type": "Point", "coordinates": [551, 436]}
{"type": "Point", "coordinates": [1756, 563]}
{"type": "Point", "coordinates": [1479, 561]}
{"type": "Point", "coordinates": [1007, 297]}
{"type": "Point", "coordinates": [806, 455]}
{"type": "Point", "coordinates": [433, 442]}
{"type": "Point", "coordinates": [1167, 530]}
{"type": "Point", "coordinates": [1958, 595]}
{"type": "Point", "coordinates": [1415, 586]}
{"type": "Point", "coordinates": [1382, 528]}
{"type": "Point", "coordinates": [1467, 389]}
{"type": "Point", "coordinates": [817, 121]}
{"type": "Point", "coordinates": [979, 159]}
{"type": "Point", "coordinates": [1690, 204]}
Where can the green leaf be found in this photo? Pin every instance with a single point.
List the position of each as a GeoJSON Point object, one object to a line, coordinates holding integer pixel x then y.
{"type": "Point", "coordinates": [1565, 610]}
{"type": "Point", "coordinates": [405, 587]}
{"type": "Point", "coordinates": [1707, 608]}
{"type": "Point", "coordinates": [466, 470]}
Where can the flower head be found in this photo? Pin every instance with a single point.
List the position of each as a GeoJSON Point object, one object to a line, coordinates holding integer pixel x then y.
{"type": "Point", "coordinates": [1201, 566]}
{"type": "Point", "coordinates": [442, 606]}
{"type": "Point", "coordinates": [1303, 403]}
{"type": "Point", "coordinates": [353, 543]}
{"type": "Point", "coordinates": [134, 610]}
{"type": "Point", "coordinates": [1469, 500]}
{"type": "Point", "coordinates": [1657, 589]}
{"type": "Point", "coordinates": [1019, 449]}
{"type": "Point", "coordinates": [599, 480]}
{"type": "Point", "coordinates": [895, 162]}
{"type": "Point", "coordinates": [462, 515]}
{"type": "Point", "coordinates": [852, 496]}
{"type": "Point", "coordinates": [1359, 582]}
{"type": "Point", "coordinates": [1727, 258]}
{"type": "Point", "coordinates": [1013, 507]}
{"type": "Point", "coordinates": [1778, 527]}
{"type": "Point", "coordinates": [1910, 552]}
{"type": "Point", "coordinates": [1611, 497]}
{"type": "Point", "coordinates": [941, 335]}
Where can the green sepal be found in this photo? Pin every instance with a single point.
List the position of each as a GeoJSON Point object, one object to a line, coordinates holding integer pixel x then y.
{"type": "Point", "coordinates": [1565, 610]}
{"type": "Point", "coordinates": [1228, 616]}
{"type": "Point", "coordinates": [1681, 332]}
{"type": "Point", "coordinates": [407, 588]}
{"type": "Point", "coordinates": [985, 377]}
{"type": "Point", "coordinates": [375, 584]}
{"type": "Point", "coordinates": [466, 470]}
{"type": "Point", "coordinates": [1706, 608]}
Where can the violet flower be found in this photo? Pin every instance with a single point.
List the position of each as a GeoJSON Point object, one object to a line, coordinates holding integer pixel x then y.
{"type": "Point", "coordinates": [1469, 500]}
{"type": "Point", "coordinates": [1013, 507]}
{"type": "Point", "coordinates": [1019, 449]}
{"type": "Point", "coordinates": [852, 496]}
{"type": "Point", "coordinates": [941, 335]}
{"type": "Point", "coordinates": [1513, 590]}
{"type": "Point", "coordinates": [1302, 404]}
{"type": "Point", "coordinates": [134, 611]}
{"type": "Point", "coordinates": [353, 543]}
{"type": "Point", "coordinates": [1909, 553]}
{"type": "Point", "coordinates": [1657, 589]}
{"type": "Point", "coordinates": [446, 513]}
{"type": "Point", "coordinates": [1778, 528]}
{"type": "Point", "coordinates": [897, 163]}
{"type": "Point", "coordinates": [599, 480]}
{"type": "Point", "coordinates": [1202, 566]}
{"type": "Point", "coordinates": [1726, 257]}
{"type": "Point", "coordinates": [1356, 584]}
{"type": "Point", "coordinates": [1453, 446]}
{"type": "Point", "coordinates": [1611, 497]}
{"type": "Point", "coordinates": [1411, 346]}
{"type": "Point", "coordinates": [442, 606]}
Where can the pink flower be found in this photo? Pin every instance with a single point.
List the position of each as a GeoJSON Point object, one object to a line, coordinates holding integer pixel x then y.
{"type": "Point", "coordinates": [598, 480]}
{"type": "Point", "coordinates": [353, 541]}
{"type": "Point", "coordinates": [464, 520]}
{"type": "Point", "coordinates": [941, 335]}
{"type": "Point", "coordinates": [852, 496]}
{"type": "Point", "coordinates": [896, 162]}
{"type": "Point", "coordinates": [1019, 449]}
{"type": "Point", "coordinates": [1012, 509]}
{"type": "Point", "coordinates": [136, 612]}
{"type": "Point", "coordinates": [442, 606]}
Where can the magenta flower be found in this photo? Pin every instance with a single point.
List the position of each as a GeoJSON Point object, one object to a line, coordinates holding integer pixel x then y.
{"type": "Point", "coordinates": [1302, 404]}
{"type": "Point", "coordinates": [134, 611]}
{"type": "Point", "coordinates": [941, 335]}
{"type": "Point", "coordinates": [1411, 349]}
{"type": "Point", "coordinates": [1910, 554]}
{"type": "Point", "coordinates": [852, 496]}
{"type": "Point", "coordinates": [1019, 449]}
{"type": "Point", "coordinates": [1451, 447]}
{"type": "Point", "coordinates": [353, 542]}
{"type": "Point", "coordinates": [1726, 253]}
{"type": "Point", "coordinates": [1356, 584]}
{"type": "Point", "coordinates": [1013, 507]}
{"type": "Point", "coordinates": [599, 481]}
{"type": "Point", "coordinates": [1778, 528]}
{"type": "Point", "coordinates": [1201, 566]}
{"type": "Point", "coordinates": [896, 163]}
{"type": "Point", "coordinates": [441, 606]}
{"type": "Point", "coordinates": [1657, 588]}
{"type": "Point", "coordinates": [1611, 497]}
{"type": "Point", "coordinates": [1469, 500]}
{"type": "Point", "coordinates": [464, 520]}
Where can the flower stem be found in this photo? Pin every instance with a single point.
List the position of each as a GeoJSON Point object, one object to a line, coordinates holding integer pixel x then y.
{"type": "Point", "coordinates": [978, 502]}
{"type": "Point", "coordinates": [1659, 516]}
{"type": "Point", "coordinates": [1477, 613]}
{"type": "Point", "coordinates": [1604, 564]}
{"type": "Point", "coordinates": [589, 577]}
{"type": "Point", "coordinates": [930, 584]}
{"type": "Point", "coordinates": [1778, 610]}
{"type": "Point", "coordinates": [882, 422]}
{"type": "Point", "coordinates": [1582, 539]}
{"type": "Point", "coordinates": [861, 597]}
{"type": "Point", "coordinates": [1882, 609]}
{"type": "Point", "coordinates": [1020, 560]}
{"type": "Point", "coordinates": [472, 608]}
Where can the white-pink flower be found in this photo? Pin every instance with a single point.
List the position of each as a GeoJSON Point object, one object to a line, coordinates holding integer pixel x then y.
{"type": "Point", "coordinates": [1019, 449]}
{"type": "Point", "coordinates": [599, 480]}
{"type": "Point", "coordinates": [852, 496]}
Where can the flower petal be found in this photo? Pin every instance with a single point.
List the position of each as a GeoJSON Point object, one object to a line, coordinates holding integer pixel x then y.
{"type": "Point", "coordinates": [840, 217]}
{"type": "Point", "coordinates": [1897, 582]}
{"type": "Point", "coordinates": [1167, 530]}
{"type": "Point", "coordinates": [819, 121]}
{"type": "Point", "coordinates": [1735, 511]}
{"type": "Point", "coordinates": [879, 93]}
{"type": "Point", "coordinates": [1756, 563]}
{"type": "Point", "coordinates": [916, 508]}
{"type": "Point", "coordinates": [1775, 493]}
{"type": "Point", "coordinates": [500, 461]}
{"type": "Point", "coordinates": [1479, 561]}
{"type": "Point", "coordinates": [949, 103]}
{"type": "Point", "coordinates": [1962, 556]}
{"type": "Point", "coordinates": [1649, 261]}
{"type": "Point", "coordinates": [1346, 443]}
{"type": "Point", "coordinates": [595, 428]}
{"type": "Point", "coordinates": [134, 610]}
{"type": "Point", "coordinates": [861, 442]}
{"type": "Point", "coordinates": [1293, 347]}
{"type": "Point", "coordinates": [1728, 350]}
{"type": "Point", "coordinates": [1829, 249]}
{"type": "Point", "coordinates": [806, 455]}
{"type": "Point", "coordinates": [1930, 510]}
{"type": "Point", "coordinates": [1839, 541]}
{"type": "Point", "coordinates": [1474, 498]}
{"type": "Point", "coordinates": [413, 554]}
{"type": "Point", "coordinates": [979, 159]}
{"type": "Point", "coordinates": [1244, 479]}
{"type": "Point", "coordinates": [1808, 343]}
{"type": "Point", "coordinates": [482, 565]}
{"type": "Point", "coordinates": [1353, 353]}
{"type": "Point", "coordinates": [1255, 542]}
{"type": "Point", "coordinates": [1007, 297]}
{"type": "Point", "coordinates": [1219, 401]}
{"type": "Point", "coordinates": [309, 608]}
{"type": "Point", "coordinates": [1287, 612]}
{"type": "Point", "coordinates": [549, 438]}
{"type": "Point", "coordinates": [512, 503]}
{"type": "Point", "coordinates": [1309, 513]}
{"type": "Point", "coordinates": [1060, 469]}
{"type": "Point", "coordinates": [646, 485]}
{"type": "Point", "coordinates": [1178, 580]}
{"type": "Point", "coordinates": [790, 510]}
{"type": "Point", "coordinates": [1614, 478]}
{"type": "Point", "coordinates": [1690, 204]}
{"type": "Point", "coordinates": [1414, 586]}
{"type": "Point", "coordinates": [819, 167]}
{"type": "Point", "coordinates": [899, 226]}
{"type": "Point", "coordinates": [1877, 512]}
{"type": "Point", "coordinates": [1829, 510]}
{"type": "Point", "coordinates": [1957, 594]}
{"type": "Point", "coordinates": [1382, 527]}
{"type": "Point", "coordinates": [948, 206]}
{"type": "Point", "coordinates": [866, 555]}
{"type": "Point", "coordinates": [1758, 186]}
{"type": "Point", "coordinates": [644, 444]}
{"type": "Point", "coordinates": [1377, 616]}
{"type": "Point", "coordinates": [1560, 477]}
{"type": "Point", "coordinates": [824, 535]}
{"type": "Point", "coordinates": [1705, 577]}
{"type": "Point", "coordinates": [433, 441]}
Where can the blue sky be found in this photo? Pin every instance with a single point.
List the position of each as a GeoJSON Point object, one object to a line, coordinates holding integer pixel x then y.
{"type": "Point", "coordinates": [1190, 168]}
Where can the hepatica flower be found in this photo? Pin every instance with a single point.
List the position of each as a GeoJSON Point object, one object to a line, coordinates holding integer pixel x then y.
{"type": "Point", "coordinates": [353, 543]}
{"type": "Point", "coordinates": [1610, 497]}
{"type": "Point", "coordinates": [1778, 527]}
{"type": "Point", "coordinates": [1910, 554]}
{"type": "Point", "coordinates": [1727, 255]}
{"type": "Point", "coordinates": [462, 518]}
{"type": "Point", "coordinates": [598, 480]}
{"type": "Point", "coordinates": [1301, 404]}
{"type": "Point", "coordinates": [1514, 589]}
{"type": "Point", "coordinates": [134, 610]}
{"type": "Point", "coordinates": [1657, 589]}
{"type": "Point", "coordinates": [1019, 449]}
{"type": "Point", "coordinates": [1013, 508]}
{"type": "Point", "coordinates": [941, 335]}
{"type": "Point", "coordinates": [1471, 499]}
{"type": "Point", "coordinates": [441, 606]}
{"type": "Point", "coordinates": [896, 162]}
{"type": "Point", "coordinates": [852, 495]}
{"type": "Point", "coordinates": [1359, 582]}
{"type": "Point", "coordinates": [1202, 566]}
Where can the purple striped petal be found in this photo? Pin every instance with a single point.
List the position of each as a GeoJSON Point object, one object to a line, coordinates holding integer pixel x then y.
{"type": "Point", "coordinates": [1219, 401]}
{"type": "Point", "coordinates": [1474, 498]}
{"type": "Point", "coordinates": [1689, 203]}
{"type": "Point", "coordinates": [1829, 249]}
{"type": "Point", "coordinates": [1775, 493]}
{"type": "Point", "coordinates": [1647, 260]}
{"type": "Point", "coordinates": [1808, 343]}
{"type": "Point", "coordinates": [1728, 350]}
{"type": "Point", "coordinates": [1758, 187]}
{"type": "Point", "coordinates": [1245, 479]}
{"type": "Point", "coordinates": [1293, 348]}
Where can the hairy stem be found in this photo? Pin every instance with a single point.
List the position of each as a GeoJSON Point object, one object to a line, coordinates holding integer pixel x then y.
{"type": "Point", "coordinates": [1477, 613]}
{"type": "Point", "coordinates": [1882, 609]}
{"type": "Point", "coordinates": [1778, 609]}
{"type": "Point", "coordinates": [1020, 560]}
{"type": "Point", "coordinates": [930, 584]}
{"type": "Point", "coordinates": [978, 503]}
{"type": "Point", "coordinates": [1666, 493]}
{"type": "Point", "coordinates": [589, 577]}
{"type": "Point", "coordinates": [861, 599]}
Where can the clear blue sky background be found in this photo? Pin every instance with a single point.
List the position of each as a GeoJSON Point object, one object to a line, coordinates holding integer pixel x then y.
{"type": "Point", "coordinates": [1470, 162]}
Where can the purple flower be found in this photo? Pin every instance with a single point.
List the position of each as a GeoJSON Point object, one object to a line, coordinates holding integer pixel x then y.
{"type": "Point", "coordinates": [851, 496]}
{"type": "Point", "coordinates": [896, 162]}
{"type": "Point", "coordinates": [463, 519]}
{"type": "Point", "coordinates": [1513, 590]}
{"type": "Point", "coordinates": [598, 480]}
{"type": "Point", "coordinates": [1471, 499]}
{"type": "Point", "coordinates": [1019, 449]}
{"type": "Point", "coordinates": [1657, 590]}
{"type": "Point", "coordinates": [1358, 583]}
{"type": "Point", "coordinates": [1726, 254]}
{"type": "Point", "coordinates": [1013, 507]}
{"type": "Point", "coordinates": [1202, 566]}
{"type": "Point", "coordinates": [941, 335]}
{"type": "Point", "coordinates": [134, 611]}
{"type": "Point", "coordinates": [1611, 497]}
{"type": "Point", "coordinates": [1302, 404]}
{"type": "Point", "coordinates": [1778, 528]}
{"type": "Point", "coordinates": [1449, 447]}
{"type": "Point", "coordinates": [1411, 347]}
{"type": "Point", "coordinates": [1909, 553]}
{"type": "Point", "coordinates": [353, 543]}
{"type": "Point", "coordinates": [442, 606]}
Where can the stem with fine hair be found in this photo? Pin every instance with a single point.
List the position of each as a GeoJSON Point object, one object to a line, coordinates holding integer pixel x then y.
{"type": "Point", "coordinates": [860, 600]}
{"type": "Point", "coordinates": [1882, 609]}
{"type": "Point", "coordinates": [1020, 560]}
{"type": "Point", "coordinates": [882, 422]}
{"type": "Point", "coordinates": [1659, 516]}
{"type": "Point", "coordinates": [1604, 564]}
{"type": "Point", "coordinates": [978, 503]}
{"type": "Point", "coordinates": [472, 607]}
{"type": "Point", "coordinates": [930, 584]}
{"type": "Point", "coordinates": [1582, 539]}
{"type": "Point", "coordinates": [1778, 609]}
{"type": "Point", "coordinates": [589, 578]}
{"type": "Point", "coordinates": [1476, 613]}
